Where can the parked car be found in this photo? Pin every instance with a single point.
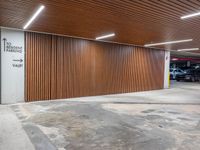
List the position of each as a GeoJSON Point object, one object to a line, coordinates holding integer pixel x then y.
{"type": "Point", "coordinates": [174, 72]}
{"type": "Point", "coordinates": [190, 75]}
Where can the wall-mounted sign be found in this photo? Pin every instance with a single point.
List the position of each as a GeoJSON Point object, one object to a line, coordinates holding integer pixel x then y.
{"type": "Point", "coordinates": [8, 47]}
{"type": "Point", "coordinates": [12, 66]}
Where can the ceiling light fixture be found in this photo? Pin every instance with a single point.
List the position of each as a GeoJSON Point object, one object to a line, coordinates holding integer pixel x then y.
{"type": "Point", "coordinates": [189, 49]}
{"type": "Point", "coordinates": [169, 42]}
{"type": "Point", "coordinates": [191, 15]}
{"type": "Point", "coordinates": [105, 36]}
{"type": "Point", "coordinates": [174, 59]}
{"type": "Point", "coordinates": [34, 16]}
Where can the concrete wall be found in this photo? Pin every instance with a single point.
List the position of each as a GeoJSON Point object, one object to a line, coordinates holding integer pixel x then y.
{"type": "Point", "coordinates": [12, 66]}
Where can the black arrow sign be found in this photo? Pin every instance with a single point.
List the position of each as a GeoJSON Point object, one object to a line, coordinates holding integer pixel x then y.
{"type": "Point", "coordinates": [20, 60]}
{"type": "Point", "coordinates": [4, 40]}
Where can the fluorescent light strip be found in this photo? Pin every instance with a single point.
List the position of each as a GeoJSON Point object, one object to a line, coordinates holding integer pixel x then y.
{"type": "Point", "coordinates": [169, 42]}
{"type": "Point", "coordinates": [34, 16]}
{"type": "Point", "coordinates": [105, 36]}
{"type": "Point", "coordinates": [189, 49]}
{"type": "Point", "coordinates": [191, 15]}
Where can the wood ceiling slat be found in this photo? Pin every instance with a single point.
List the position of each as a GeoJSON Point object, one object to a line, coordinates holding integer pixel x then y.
{"type": "Point", "coordinates": [163, 17]}
{"type": "Point", "coordinates": [134, 21]}
{"type": "Point", "coordinates": [160, 12]}
{"type": "Point", "coordinates": [133, 16]}
{"type": "Point", "coordinates": [142, 17]}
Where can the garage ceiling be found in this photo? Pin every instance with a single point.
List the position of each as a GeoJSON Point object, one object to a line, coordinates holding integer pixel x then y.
{"type": "Point", "coordinates": [133, 21]}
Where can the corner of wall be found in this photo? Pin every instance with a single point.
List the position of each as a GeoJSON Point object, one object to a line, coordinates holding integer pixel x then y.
{"type": "Point", "coordinates": [166, 70]}
{"type": "Point", "coordinates": [0, 65]}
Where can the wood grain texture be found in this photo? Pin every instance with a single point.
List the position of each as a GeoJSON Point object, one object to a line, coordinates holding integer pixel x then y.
{"type": "Point", "coordinates": [61, 67]}
{"type": "Point", "coordinates": [134, 21]}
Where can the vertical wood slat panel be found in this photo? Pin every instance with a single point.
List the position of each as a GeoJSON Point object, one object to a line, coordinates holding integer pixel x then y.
{"type": "Point", "coordinates": [53, 63]}
{"type": "Point", "coordinates": [61, 67]}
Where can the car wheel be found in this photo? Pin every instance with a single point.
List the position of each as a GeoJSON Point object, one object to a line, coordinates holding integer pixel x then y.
{"type": "Point", "coordinates": [177, 80]}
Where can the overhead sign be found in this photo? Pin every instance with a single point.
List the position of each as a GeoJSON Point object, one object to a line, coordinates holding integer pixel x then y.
{"type": "Point", "coordinates": [12, 66]}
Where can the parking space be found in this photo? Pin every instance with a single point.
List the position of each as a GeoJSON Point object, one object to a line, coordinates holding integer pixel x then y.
{"type": "Point", "coordinates": [185, 68]}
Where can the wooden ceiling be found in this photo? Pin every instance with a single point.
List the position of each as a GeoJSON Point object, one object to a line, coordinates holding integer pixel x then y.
{"type": "Point", "coordinates": [133, 21]}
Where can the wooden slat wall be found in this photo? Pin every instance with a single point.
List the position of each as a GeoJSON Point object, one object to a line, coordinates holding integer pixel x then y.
{"type": "Point", "coordinates": [38, 67]}
{"type": "Point", "coordinates": [61, 67]}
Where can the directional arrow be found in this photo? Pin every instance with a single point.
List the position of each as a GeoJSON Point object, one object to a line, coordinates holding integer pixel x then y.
{"type": "Point", "coordinates": [20, 60]}
{"type": "Point", "coordinates": [4, 40]}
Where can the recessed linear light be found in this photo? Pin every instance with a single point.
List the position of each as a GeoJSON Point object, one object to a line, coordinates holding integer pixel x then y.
{"type": "Point", "coordinates": [169, 42]}
{"type": "Point", "coordinates": [105, 36]}
{"type": "Point", "coordinates": [34, 16]}
{"type": "Point", "coordinates": [191, 15]}
{"type": "Point", "coordinates": [189, 49]}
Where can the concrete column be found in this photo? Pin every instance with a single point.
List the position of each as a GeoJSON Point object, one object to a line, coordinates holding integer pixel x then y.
{"type": "Point", "coordinates": [166, 70]}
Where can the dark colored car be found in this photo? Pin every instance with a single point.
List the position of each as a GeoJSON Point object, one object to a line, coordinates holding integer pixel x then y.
{"type": "Point", "coordinates": [174, 72]}
{"type": "Point", "coordinates": [190, 75]}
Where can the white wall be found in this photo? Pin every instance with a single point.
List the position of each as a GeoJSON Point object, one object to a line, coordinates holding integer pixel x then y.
{"type": "Point", "coordinates": [166, 71]}
{"type": "Point", "coordinates": [12, 66]}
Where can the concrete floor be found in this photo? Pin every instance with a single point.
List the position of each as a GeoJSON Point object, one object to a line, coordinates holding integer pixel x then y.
{"type": "Point", "coordinates": [157, 120]}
